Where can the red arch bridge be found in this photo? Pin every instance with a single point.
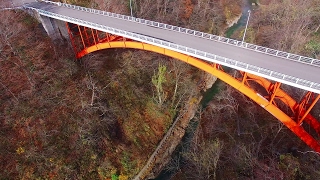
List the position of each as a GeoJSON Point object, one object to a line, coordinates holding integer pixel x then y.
{"type": "Point", "coordinates": [91, 30]}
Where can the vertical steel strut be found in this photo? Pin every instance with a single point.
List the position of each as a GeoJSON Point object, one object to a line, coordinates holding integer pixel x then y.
{"type": "Point", "coordinates": [305, 106]}
{"type": "Point", "coordinates": [274, 88]}
{"type": "Point", "coordinates": [84, 45]}
{"type": "Point", "coordinates": [71, 39]}
{"type": "Point", "coordinates": [300, 112]}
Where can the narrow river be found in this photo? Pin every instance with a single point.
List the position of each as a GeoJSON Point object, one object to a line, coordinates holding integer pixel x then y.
{"type": "Point", "coordinates": [248, 5]}
{"type": "Point", "coordinates": [207, 96]}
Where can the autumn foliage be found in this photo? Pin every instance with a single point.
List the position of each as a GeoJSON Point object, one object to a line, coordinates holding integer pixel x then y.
{"type": "Point", "coordinates": [100, 117]}
{"type": "Point", "coordinates": [188, 9]}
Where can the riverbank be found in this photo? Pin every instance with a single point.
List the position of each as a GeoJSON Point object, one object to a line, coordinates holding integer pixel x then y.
{"type": "Point", "coordinates": [211, 89]}
{"type": "Point", "coordinates": [162, 155]}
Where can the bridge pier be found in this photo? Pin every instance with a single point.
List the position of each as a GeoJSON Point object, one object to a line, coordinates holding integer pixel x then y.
{"type": "Point", "coordinates": [56, 29]}
{"type": "Point", "coordinates": [97, 35]}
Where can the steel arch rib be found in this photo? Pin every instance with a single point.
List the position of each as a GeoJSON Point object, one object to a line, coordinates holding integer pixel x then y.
{"type": "Point", "coordinates": [253, 95]}
{"type": "Point", "coordinates": [288, 100]}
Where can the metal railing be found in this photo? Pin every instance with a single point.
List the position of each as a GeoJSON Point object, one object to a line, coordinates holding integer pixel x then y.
{"type": "Point", "coordinates": [249, 46]}
{"type": "Point", "coordinates": [294, 81]}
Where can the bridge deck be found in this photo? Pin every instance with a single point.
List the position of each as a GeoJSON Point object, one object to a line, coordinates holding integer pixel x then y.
{"type": "Point", "coordinates": [277, 64]}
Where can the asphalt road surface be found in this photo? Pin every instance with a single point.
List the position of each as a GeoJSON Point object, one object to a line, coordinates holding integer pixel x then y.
{"type": "Point", "coordinates": [277, 64]}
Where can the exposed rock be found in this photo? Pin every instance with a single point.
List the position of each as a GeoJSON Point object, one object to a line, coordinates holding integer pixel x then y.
{"type": "Point", "coordinates": [209, 80]}
{"type": "Point", "coordinates": [233, 21]}
{"type": "Point", "coordinates": [162, 155]}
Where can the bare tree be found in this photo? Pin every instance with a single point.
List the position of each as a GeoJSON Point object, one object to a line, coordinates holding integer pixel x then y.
{"type": "Point", "coordinates": [204, 158]}
{"type": "Point", "coordinates": [286, 25]}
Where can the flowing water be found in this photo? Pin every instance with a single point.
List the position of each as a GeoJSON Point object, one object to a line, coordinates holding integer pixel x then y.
{"type": "Point", "coordinates": [248, 5]}
{"type": "Point", "coordinates": [207, 96]}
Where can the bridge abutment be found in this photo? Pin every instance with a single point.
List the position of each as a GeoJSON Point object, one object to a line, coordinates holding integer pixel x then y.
{"type": "Point", "coordinates": [56, 29]}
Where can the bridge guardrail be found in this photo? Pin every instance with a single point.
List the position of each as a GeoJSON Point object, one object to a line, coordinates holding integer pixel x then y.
{"type": "Point", "coordinates": [294, 81]}
{"type": "Point", "coordinates": [261, 49]}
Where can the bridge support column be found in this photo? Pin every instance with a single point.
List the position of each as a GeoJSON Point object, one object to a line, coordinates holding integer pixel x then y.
{"type": "Point", "coordinates": [56, 29]}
